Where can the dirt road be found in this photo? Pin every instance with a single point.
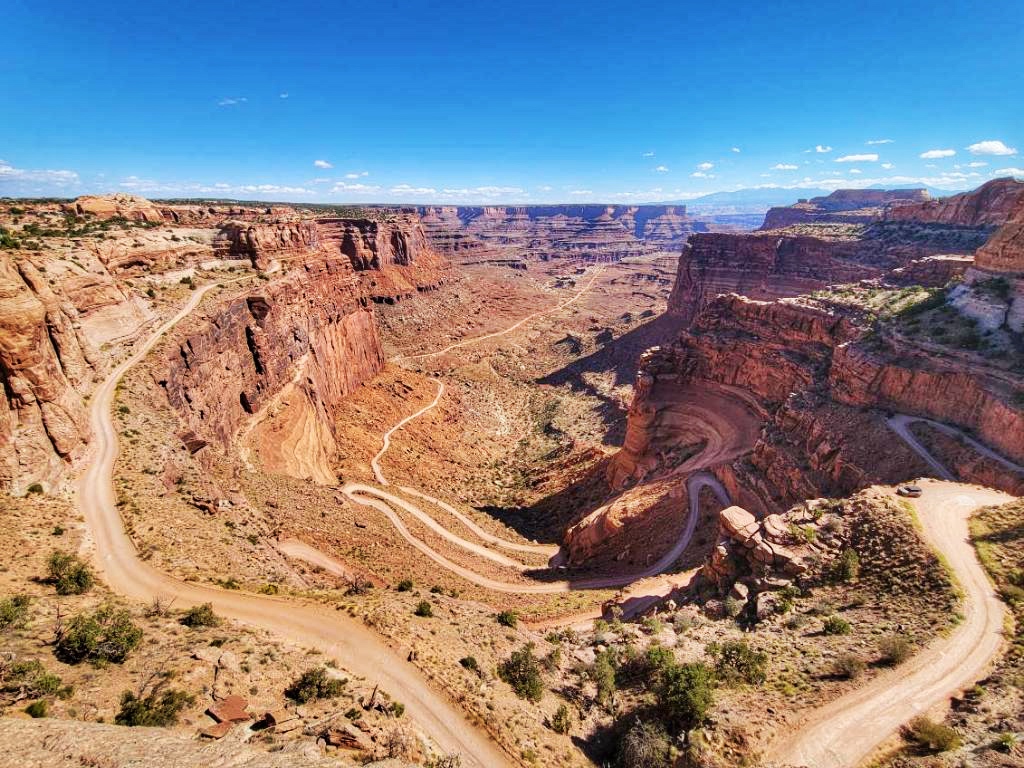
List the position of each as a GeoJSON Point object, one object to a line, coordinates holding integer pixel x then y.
{"type": "Point", "coordinates": [361, 651]}
{"type": "Point", "coordinates": [845, 732]}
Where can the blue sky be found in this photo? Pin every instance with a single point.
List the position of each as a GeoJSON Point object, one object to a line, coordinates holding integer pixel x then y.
{"type": "Point", "coordinates": [475, 102]}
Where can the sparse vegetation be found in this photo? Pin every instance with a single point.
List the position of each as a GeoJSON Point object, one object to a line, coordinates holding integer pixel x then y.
{"type": "Point", "coordinates": [158, 709]}
{"type": "Point", "coordinates": [405, 585]}
{"type": "Point", "coordinates": [736, 662]}
{"type": "Point", "coordinates": [201, 616]}
{"type": "Point", "coordinates": [508, 619]}
{"type": "Point", "coordinates": [894, 650]}
{"type": "Point", "coordinates": [685, 693]}
{"type": "Point", "coordinates": [848, 666]}
{"type": "Point", "coordinates": [314, 684]}
{"type": "Point", "coordinates": [14, 611]}
{"type": "Point", "coordinates": [521, 671]}
{"type": "Point", "coordinates": [561, 721]}
{"type": "Point", "coordinates": [107, 634]}
{"type": "Point", "coordinates": [836, 625]}
{"type": "Point", "coordinates": [68, 574]}
{"type": "Point", "coordinates": [847, 565]}
{"type": "Point", "coordinates": [645, 745]}
{"type": "Point", "coordinates": [424, 609]}
{"type": "Point", "coordinates": [932, 736]}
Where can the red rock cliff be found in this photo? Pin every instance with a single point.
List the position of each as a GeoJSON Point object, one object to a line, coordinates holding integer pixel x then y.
{"type": "Point", "coordinates": [992, 204]}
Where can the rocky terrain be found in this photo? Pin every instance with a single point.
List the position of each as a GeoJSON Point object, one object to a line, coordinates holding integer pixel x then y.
{"type": "Point", "coordinates": [713, 482]}
{"type": "Point", "coordinates": [844, 206]}
{"type": "Point", "coordinates": [587, 232]}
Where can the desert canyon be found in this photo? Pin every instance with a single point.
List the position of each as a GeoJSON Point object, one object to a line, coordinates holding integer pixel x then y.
{"type": "Point", "coordinates": [513, 485]}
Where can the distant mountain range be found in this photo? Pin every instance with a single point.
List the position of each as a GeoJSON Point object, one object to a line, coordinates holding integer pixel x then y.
{"type": "Point", "coordinates": [759, 200]}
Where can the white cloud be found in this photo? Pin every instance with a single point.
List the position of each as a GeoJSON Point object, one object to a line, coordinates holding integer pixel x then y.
{"type": "Point", "coordinates": [581, 192]}
{"type": "Point", "coordinates": [662, 169]}
{"type": "Point", "coordinates": [322, 164]}
{"type": "Point", "coordinates": [11, 176]}
{"type": "Point", "coordinates": [869, 157]}
{"type": "Point", "coordinates": [1018, 172]}
{"type": "Point", "coordinates": [357, 174]}
{"type": "Point", "coordinates": [784, 167]}
{"type": "Point", "coordinates": [702, 175]}
{"type": "Point", "coordinates": [545, 187]}
{"type": "Point", "coordinates": [977, 164]}
{"type": "Point", "coordinates": [705, 166]}
{"type": "Point", "coordinates": [406, 189]}
{"type": "Point", "coordinates": [230, 101]}
{"type": "Point", "coordinates": [935, 154]}
{"type": "Point", "coordinates": [342, 186]}
{"type": "Point", "coordinates": [991, 147]}
{"type": "Point", "coordinates": [856, 170]}
{"type": "Point", "coordinates": [648, 154]}
{"type": "Point", "coordinates": [822, 149]}
{"type": "Point", "coordinates": [887, 166]}
{"type": "Point", "coordinates": [873, 142]}
{"type": "Point", "coordinates": [735, 149]}
{"type": "Point", "coordinates": [283, 95]}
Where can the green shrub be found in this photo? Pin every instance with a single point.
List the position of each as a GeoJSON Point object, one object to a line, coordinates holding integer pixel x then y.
{"type": "Point", "coordinates": [158, 709]}
{"type": "Point", "coordinates": [685, 693]}
{"type": "Point", "coordinates": [35, 488]}
{"type": "Point", "coordinates": [314, 684]}
{"type": "Point", "coordinates": [847, 565]}
{"type": "Point", "coordinates": [508, 619]}
{"type": "Point", "coordinates": [68, 574]}
{"type": "Point", "coordinates": [894, 650]}
{"type": "Point", "coordinates": [736, 662]}
{"type": "Point", "coordinates": [14, 611]}
{"type": "Point", "coordinates": [561, 721]}
{"type": "Point", "coordinates": [201, 616]}
{"type": "Point", "coordinates": [657, 659]}
{"type": "Point", "coordinates": [29, 679]}
{"type": "Point", "coordinates": [37, 708]}
{"type": "Point", "coordinates": [106, 635]}
{"type": "Point", "coordinates": [404, 585]}
{"type": "Point", "coordinates": [645, 745]}
{"type": "Point", "coordinates": [836, 625]}
{"type": "Point", "coordinates": [424, 609]}
{"type": "Point", "coordinates": [397, 708]}
{"type": "Point", "coordinates": [848, 666]}
{"type": "Point", "coordinates": [602, 672]}
{"type": "Point", "coordinates": [469, 662]}
{"type": "Point", "coordinates": [521, 670]}
{"type": "Point", "coordinates": [932, 736]}
{"type": "Point", "coordinates": [1006, 741]}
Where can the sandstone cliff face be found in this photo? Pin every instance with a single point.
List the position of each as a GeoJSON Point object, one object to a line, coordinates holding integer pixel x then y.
{"type": "Point", "coordinates": [822, 382]}
{"type": "Point", "coordinates": [763, 267]}
{"type": "Point", "coordinates": [992, 204]}
{"type": "Point", "coordinates": [308, 329]}
{"type": "Point", "coordinates": [42, 359]}
{"type": "Point", "coordinates": [1004, 253]}
{"type": "Point", "coordinates": [119, 206]}
{"type": "Point", "coordinates": [845, 206]}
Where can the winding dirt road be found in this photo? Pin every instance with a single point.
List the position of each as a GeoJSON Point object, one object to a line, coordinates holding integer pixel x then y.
{"type": "Point", "coordinates": [844, 733]}
{"type": "Point", "coordinates": [362, 651]}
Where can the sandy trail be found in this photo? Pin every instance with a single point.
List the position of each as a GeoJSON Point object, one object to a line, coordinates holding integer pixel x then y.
{"type": "Point", "coordinates": [843, 733]}
{"type": "Point", "coordinates": [477, 339]}
{"type": "Point", "coordinates": [362, 651]}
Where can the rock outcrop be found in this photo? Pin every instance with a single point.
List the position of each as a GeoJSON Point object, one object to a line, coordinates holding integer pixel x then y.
{"type": "Point", "coordinates": [844, 206]}
{"type": "Point", "coordinates": [43, 359]}
{"type": "Point", "coordinates": [120, 206]}
{"type": "Point", "coordinates": [765, 267]}
{"type": "Point", "coordinates": [990, 205]}
{"type": "Point", "coordinates": [308, 333]}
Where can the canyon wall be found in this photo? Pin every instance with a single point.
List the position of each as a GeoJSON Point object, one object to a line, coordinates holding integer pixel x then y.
{"type": "Point", "coordinates": [92, 275]}
{"type": "Point", "coordinates": [590, 232]}
{"type": "Point", "coordinates": [763, 267]}
{"type": "Point", "coordinates": [45, 365]}
{"type": "Point", "coordinates": [990, 205]}
{"type": "Point", "coordinates": [844, 206]}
